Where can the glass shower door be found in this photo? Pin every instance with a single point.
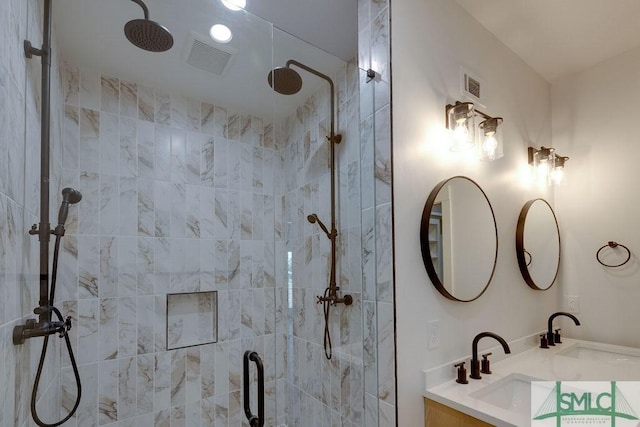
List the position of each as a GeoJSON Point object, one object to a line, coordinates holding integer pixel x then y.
{"type": "Point", "coordinates": [313, 389]}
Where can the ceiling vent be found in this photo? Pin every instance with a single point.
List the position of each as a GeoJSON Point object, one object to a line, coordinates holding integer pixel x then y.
{"type": "Point", "coordinates": [207, 55]}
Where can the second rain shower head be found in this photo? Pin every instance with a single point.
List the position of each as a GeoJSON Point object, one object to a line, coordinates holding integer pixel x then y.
{"type": "Point", "coordinates": [285, 80]}
{"type": "Point", "coordinates": [146, 34]}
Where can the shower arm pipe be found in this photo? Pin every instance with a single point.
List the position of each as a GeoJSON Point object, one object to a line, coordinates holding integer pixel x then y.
{"type": "Point", "coordinates": [144, 8]}
{"type": "Point", "coordinates": [333, 139]}
{"type": "Point", "coordinates": [331, 89]}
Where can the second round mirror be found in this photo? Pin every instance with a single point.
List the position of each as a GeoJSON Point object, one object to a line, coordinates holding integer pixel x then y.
{"type": "Point", "coordinates": [538, 244]}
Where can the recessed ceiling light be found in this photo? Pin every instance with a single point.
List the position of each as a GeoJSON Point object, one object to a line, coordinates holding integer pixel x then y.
{"type": "Point", "coordinates": [221, 33]}
{"type": "Point", "coordinates": [234, 4]}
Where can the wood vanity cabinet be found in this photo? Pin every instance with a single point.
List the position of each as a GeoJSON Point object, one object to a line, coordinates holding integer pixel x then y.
{"type": "Point", "coordinates": [439, 415]}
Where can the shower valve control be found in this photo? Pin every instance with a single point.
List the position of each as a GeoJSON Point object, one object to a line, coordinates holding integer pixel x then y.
{"type": "Point", "coordinates": [334, 300]}
{"type": "Point", "coordinates": [66, 326]}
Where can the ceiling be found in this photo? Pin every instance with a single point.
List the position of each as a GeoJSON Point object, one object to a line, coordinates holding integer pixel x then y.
{"type": "Point", "coordinates": [555, 37]}
{"type": "Point", "coordinates": [89, 33]}
{"type": "Point", "coordinates": [331, 25]}
{"type": "Point", "coordinates": [560, 37]}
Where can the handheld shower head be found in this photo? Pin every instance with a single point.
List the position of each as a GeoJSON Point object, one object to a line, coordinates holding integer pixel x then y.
{"type": "Point", "coordinates": [313, 219]}
{"type": "Point", "coordinates": [70, 196]}
{"type": "Point", "coordinates": [146, 34]}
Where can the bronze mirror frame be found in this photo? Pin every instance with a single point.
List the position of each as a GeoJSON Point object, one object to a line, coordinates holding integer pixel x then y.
{"type": "Point", "coordinates": [424, 240]}
{"type": "Point", "coordinates": [520, 250]}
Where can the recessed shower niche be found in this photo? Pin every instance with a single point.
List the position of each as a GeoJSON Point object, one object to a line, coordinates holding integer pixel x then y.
{"type": "Point", "coordinates": [192, 319]}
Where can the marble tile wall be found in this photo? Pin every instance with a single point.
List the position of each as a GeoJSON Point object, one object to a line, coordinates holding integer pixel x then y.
{"type": "Point", "coordinates": [178, 197]}
{"type": "Point", "coordinates": [174, 204]}
{"type": "Point", "coordinates": [19, 208]}
{"type": "Point", "coordinates": [377, 212]}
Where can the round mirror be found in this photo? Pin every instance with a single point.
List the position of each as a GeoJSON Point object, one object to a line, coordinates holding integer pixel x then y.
{"type": "Point", "coordinates": [538, 244]}
{"type": "Point", "coordinates": [459, 239]}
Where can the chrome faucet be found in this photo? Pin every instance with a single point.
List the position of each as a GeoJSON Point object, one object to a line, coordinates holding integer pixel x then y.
{"type": "Point", "coordinates": [475, 363]}
{"type": "Point", "coordinates": [551, 338]}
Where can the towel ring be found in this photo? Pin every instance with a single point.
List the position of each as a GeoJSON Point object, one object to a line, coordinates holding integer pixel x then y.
{"type": "Point", "coordinates": [612, 245]}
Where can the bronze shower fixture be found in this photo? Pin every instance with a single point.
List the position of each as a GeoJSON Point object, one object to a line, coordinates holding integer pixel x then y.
{"type": "Point", "coordinates": [287, 81]}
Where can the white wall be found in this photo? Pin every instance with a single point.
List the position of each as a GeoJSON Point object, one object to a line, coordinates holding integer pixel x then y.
{"type": "Point", "coordinates": [431, 39]}
{"type": "Point", "coordinates": [595, 123]}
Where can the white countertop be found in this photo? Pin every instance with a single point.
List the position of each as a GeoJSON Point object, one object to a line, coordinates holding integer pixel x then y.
{"type": "Point", "coordinates": [541, 364]}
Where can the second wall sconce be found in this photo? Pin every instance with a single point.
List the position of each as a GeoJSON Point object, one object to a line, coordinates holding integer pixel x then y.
{"type": "Point", "coordinates": [548, 166]}
{"type": "Point", "coordinates": [485, 136]}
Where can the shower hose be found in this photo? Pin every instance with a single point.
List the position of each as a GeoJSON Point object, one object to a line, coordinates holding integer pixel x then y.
{"type": "Point", "coordinates": [64, 333]}
{"type": "Point", "coordinates": [328, 348]}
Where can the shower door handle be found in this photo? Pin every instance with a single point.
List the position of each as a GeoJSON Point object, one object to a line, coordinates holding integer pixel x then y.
{"type": "Point", "coordinates": [254, 421]}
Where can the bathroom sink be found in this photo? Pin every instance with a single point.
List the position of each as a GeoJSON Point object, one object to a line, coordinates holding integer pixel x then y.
{"type": "Point", "coordinates": [512, 393]}
{"type": "Point", "coordinates": [603, 353]}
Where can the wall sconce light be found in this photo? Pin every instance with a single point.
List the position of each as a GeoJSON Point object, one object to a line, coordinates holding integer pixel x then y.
{"type": "Point", "coordinates": [461, 121]}
{"type": "Point", "coordinates": [491, 139]}
{"type": "Point", "coordinates": [548, 166]}
{"type": "Point", "coordinates": [557, 173]}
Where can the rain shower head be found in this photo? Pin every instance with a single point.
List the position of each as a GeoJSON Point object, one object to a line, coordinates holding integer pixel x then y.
{"type": "Point", "coordinates": [285, 80]}
{"type": "Point", "coordinates": [146, 34]}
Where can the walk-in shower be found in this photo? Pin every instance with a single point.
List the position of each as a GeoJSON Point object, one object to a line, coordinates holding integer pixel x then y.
{"type": "Point", "coordinates": [192, 185]}
{"type": "Point", "coordinates": [287, 81]}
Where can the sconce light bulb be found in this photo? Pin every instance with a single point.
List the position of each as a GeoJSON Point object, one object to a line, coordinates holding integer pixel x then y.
{"type": "Point", "coordinates": [489, 146]}
{"type": "Point", "coordinates": [461, 132]}
{"type": "Point", "coordinates": [557, 175]}
{"type": "Point", "coordinates": [543, 171]}
{"type": "Point", "coordinates": [461, 140]}
{"type": "Point", "coordinates": [543, 168]}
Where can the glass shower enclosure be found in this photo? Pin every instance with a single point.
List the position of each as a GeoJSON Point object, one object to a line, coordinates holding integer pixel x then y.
{"type": "Point", "coordinates": [191, 248]}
